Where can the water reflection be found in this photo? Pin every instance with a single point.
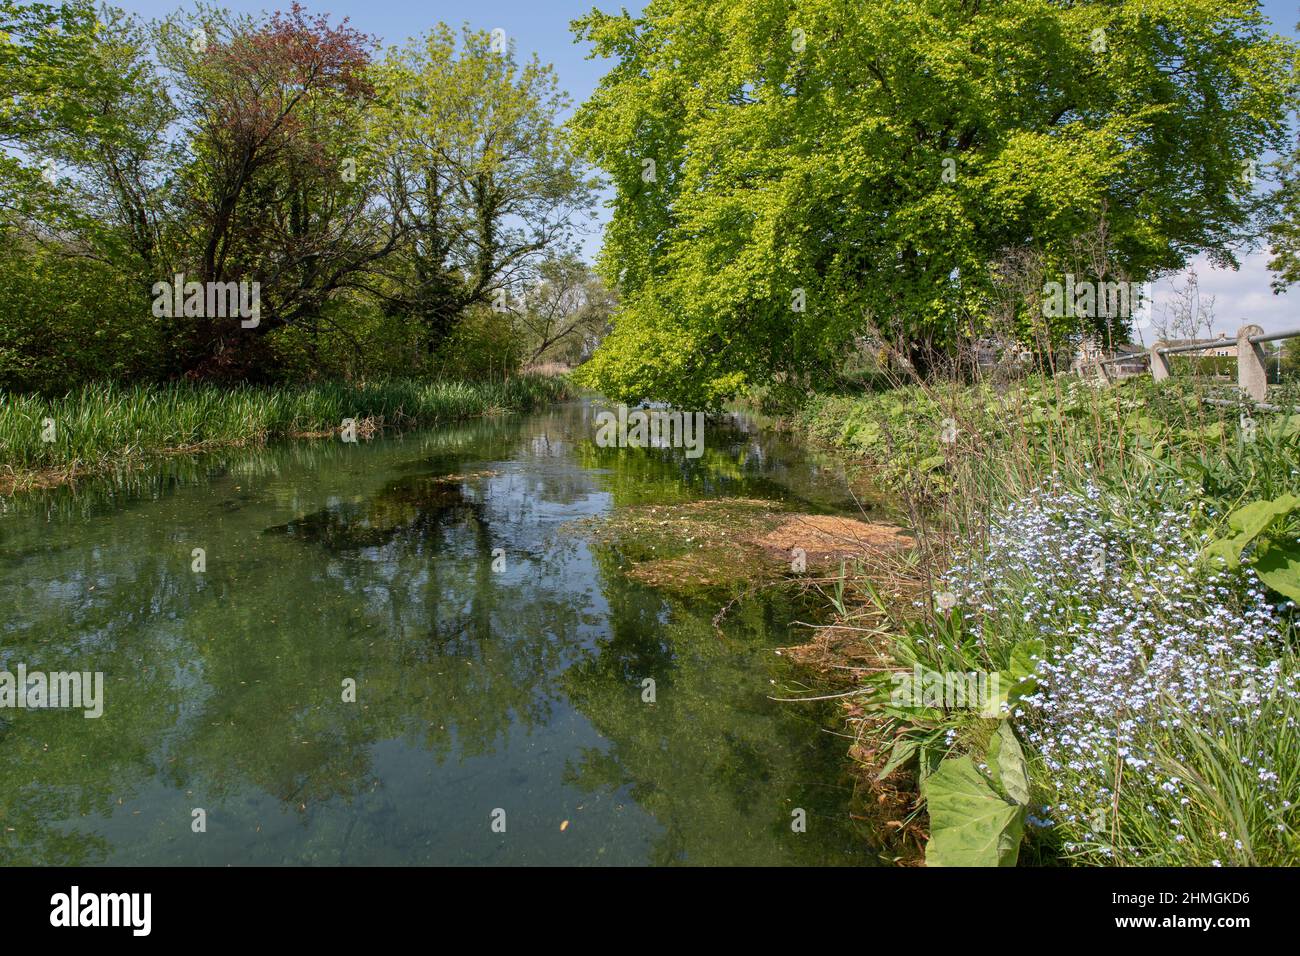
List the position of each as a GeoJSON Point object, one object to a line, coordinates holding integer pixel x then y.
{"type": "Point", "coordinates": [499, 662]}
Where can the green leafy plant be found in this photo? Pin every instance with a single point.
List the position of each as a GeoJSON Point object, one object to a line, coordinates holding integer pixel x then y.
{"type": "Point", "coordinates": [976, 818]}
{"type": "Point", "coordinates": [1277, 557]}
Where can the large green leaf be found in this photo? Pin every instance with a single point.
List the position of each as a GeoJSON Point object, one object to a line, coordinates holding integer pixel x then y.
{"type": "Point", "coordinates": [1024, 658]}
{"type": "Point", "coordinates": [1007, 764]}
{"type": "Point", "coordinates": [1279, 568]}
{"type": "Point", "coordinates": [1248, 522]}
{"type": "Point", "coordinates": [1287, 426]}
{"type": "Point", "coordinates": [970, 823]}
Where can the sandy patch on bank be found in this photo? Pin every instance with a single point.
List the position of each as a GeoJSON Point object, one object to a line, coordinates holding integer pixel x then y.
{"type": "Point", "coordinates": [828, 537]}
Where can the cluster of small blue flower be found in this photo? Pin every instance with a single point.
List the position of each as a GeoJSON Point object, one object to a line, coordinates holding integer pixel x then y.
{"type": "Point", "coordinates": [1147, 645]}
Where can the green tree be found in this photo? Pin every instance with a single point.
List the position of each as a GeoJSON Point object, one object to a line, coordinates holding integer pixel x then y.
{"type": "Point", "coordinates": [1284, 229]}
{"type": "Point", "coordinates": [476, 170]}
{"type": "Point", "coordinates": [277, 186]}
{"type": "Point", "coordinates": [378, 207]}
{"type": "Point", "coordinates": [50, 76]}
{"type": "Point", "coordinates": [77, 218]}
{"type": "Point", "coordinates": [566, 313]}
{"type": "Point", "coordinates": [790, 175]}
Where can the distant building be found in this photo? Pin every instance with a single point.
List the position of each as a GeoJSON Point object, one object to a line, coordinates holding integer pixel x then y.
{"type": "Point", "coordinates": [1122, 361]}
{"type": "Point", "coordinates": [1222, 345]}
{"type": "Point", "coordinates": [993, 353]}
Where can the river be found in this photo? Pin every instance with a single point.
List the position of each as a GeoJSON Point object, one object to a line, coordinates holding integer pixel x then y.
{"type": "Point", "coordinates": [405, 651]}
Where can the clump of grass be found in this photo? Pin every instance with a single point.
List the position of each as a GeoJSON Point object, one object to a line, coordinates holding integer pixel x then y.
{"type": "Point", "coordinates": [101, 427]}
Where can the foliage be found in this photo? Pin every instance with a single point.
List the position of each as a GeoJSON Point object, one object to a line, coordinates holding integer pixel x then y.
{"type": "Point", "coordinates": [482, 346]}
{"type": "Point", "coordinates": [69, 320]}
{"type": "Point", "coordinates": [375, 203]}
{"type": "Point", "coordinates": [475, 168]}
{"type": "Point", "coordinates": [53, 71]}
{"type": "Point", "coordinates": [1284, 221]}
{"type": "Point", "coordinates": [99, 427]}
{"type": "Point", "coordinates": [978, 819]}
{"type": "Point", "coordinates": [566, 314]}
{"type": "Point", "coordinates": [1277, 557]}
{"type": "Point", "coordinates": [1079, 534]}
{"type": "Point", "coordinates": [789, 177]}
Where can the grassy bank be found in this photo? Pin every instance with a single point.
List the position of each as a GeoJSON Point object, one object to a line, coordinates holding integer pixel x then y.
{"type": "Point", "coordinates": [98, 428]}
{"type": "Point", "coordinates": [1099, 662]}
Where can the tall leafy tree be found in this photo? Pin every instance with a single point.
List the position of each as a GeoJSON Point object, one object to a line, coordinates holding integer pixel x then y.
{"type": "Point", "coordinates": [791, 174]}
{"type": "Point", "coordinates": [77, 207]}
{"type": "Point", "coordinates": [1284, 218]}
{"type": "Point", "coordinates": [566, 312]}
{"type": "Point", "coordinates": [275, 187]}
{"type": "Point", "coordinates": [1284, 230]}
{"type": "Point", "coordinates": [50, 71]}
{"type": "Point", "coordinates": [478, 172]}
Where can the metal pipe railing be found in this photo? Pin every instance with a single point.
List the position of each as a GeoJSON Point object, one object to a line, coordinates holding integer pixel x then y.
{"type": "Point", "coordinates": [1222, 343]}
{"type": "Point", "coordinates": [1252, 377]}
{"type": "Point", "coordinates": [1273, 336]}
{"type": "Point", "coordinates": [1176, 349]}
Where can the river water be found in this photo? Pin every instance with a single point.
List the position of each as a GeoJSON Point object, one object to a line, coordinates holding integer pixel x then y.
{"type": "Point", "coordinates": [499, 655]}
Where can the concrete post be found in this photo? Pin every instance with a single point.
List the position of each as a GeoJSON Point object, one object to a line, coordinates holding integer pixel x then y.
{"type": "Point", "coordinates": [1252, 376]}
{"type": "Point", "coordinates": [1159, 364]}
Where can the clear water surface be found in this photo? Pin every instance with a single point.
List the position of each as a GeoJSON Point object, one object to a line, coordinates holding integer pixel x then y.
{"type": "Point", "coordinates": [478, 689]}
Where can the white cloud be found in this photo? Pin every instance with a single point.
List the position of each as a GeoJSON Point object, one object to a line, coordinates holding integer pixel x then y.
{"type": "Point", "coordinates": [1240, 296]}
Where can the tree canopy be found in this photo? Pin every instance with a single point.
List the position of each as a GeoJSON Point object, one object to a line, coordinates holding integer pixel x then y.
{"type": "Point", "coordinates": [378, 201]}
{"type": "Point", "coordinates": [791, 175]}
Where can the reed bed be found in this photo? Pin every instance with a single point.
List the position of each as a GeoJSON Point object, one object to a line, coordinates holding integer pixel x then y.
{"type": "Point", "coordinates": [101, 427]}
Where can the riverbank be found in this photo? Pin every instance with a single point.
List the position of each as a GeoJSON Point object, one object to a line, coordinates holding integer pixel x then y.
{"type": "Point", "coordinates": [1094, 658]}
{"type": "Point", "coordinates": [46, 442]}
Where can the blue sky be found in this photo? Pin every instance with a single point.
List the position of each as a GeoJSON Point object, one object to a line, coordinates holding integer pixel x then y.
{"type": "Point", "coordinates": [536, 26]}
{"type": "Point", "coordinates": [542, 26]}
